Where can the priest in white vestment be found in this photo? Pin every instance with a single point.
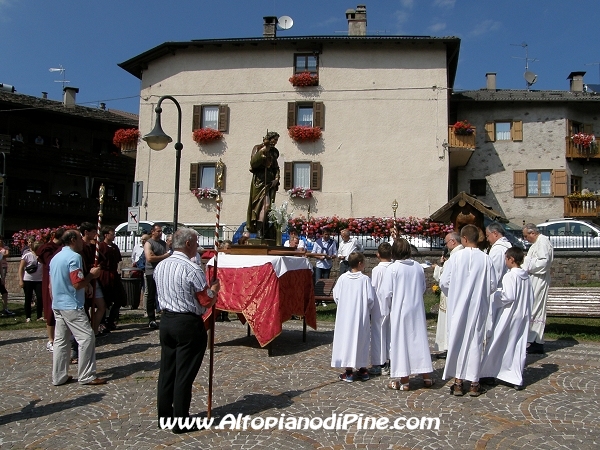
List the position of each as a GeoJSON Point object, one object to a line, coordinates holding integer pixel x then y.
{"type": "Point", "coordinates": [468, 281]}
{"type": "Point", "coordinates": [538, 263]}
{"type": "Point", "coordinates": [354, 296]}
{"type": "Point", "coordinates": [380, 319]}
{"type": "Point", "coordinates": [495, 235]}
{"type": "Point", "coordinates": [402, 288]}
{"type": "Point", "coordinates": [505, 354]}
{"type": "Point", "coordinates": [452, 241]}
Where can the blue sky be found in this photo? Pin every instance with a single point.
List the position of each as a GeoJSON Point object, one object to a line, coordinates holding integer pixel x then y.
{"type": "Point", "coordinates": [90, 37]}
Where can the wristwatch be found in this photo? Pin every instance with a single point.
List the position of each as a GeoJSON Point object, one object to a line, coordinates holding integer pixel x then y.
{"type": "Point", "coordinates": [210, 293]}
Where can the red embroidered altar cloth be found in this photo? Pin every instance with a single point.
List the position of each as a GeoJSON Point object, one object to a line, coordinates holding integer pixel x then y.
{"type": "Point", "coordinates": [266, 290]}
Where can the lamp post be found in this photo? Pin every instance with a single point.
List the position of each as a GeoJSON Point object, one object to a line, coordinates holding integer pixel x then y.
{"type": "Point", "coordinates": [157, 140]}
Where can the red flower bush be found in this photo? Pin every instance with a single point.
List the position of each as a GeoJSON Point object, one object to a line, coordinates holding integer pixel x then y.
{"type": "Point", "coordinates": [304, 79]}
{"type": "Point", "coordinates": [43, 235]}
{"type": "Point", "coordinates": [584, 140]}
{"type": "Point", "coordinates": [302, 133]}
{"type": "Point", "coordinates": [377, 227]}
{"type": "Point", "coordinates": [206, 135]}
{"type": "Point", "coordinates": [463, 127]}
{"type": "Point", "coordinates": [126, 136]}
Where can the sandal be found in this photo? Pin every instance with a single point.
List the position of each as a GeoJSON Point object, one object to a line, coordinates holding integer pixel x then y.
{"type": "Point", "coordinates": [398, 386]}
{"type": "Point", "coordinates": [476, 390]}
{"type": "Point", "coordinates": [428, 382]}
{"type": "Point", "coordinates": [457, 389]}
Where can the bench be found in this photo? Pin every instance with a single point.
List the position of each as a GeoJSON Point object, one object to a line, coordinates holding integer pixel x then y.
{"type": "Point", "coordinates": [324, 290]}
{"type": "Point", "coordinates": [573, 302]}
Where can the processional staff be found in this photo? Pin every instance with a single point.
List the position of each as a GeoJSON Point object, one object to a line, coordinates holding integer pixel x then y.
{"type": "Point", "coordinates": [101, 192]}
{"type": "Point", "coordinates": [219, 184]}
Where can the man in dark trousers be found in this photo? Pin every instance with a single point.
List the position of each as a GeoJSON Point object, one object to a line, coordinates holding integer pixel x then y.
{"type": "Point", "coordinates": [184, 295]}
{"type": "Point", "coordinates": [155, 250]}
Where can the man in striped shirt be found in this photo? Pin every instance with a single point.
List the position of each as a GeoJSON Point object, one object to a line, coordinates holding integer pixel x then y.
{"type": "Point", "coordinates": [184, 295]}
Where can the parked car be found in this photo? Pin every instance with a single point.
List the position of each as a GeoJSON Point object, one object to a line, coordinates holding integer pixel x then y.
{"type": "Point", "coordinates": [126, 241]}
{"type": "Point", "coordinates": [571, 233]}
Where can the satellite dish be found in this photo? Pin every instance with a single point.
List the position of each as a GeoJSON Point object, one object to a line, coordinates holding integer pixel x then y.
{"type": "Point", "coordinates": [285, 22]}
{"type": "Point", "coordinates": [530, 77]}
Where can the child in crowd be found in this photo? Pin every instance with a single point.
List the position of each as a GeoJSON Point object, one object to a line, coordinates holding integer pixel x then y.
{"type": "Point", "coordinates": [354, 297]}
{"type": "Point", "coordinates": [380, 320]}
{"type": "Point", "coordinates": [504, 356]}
{"type": "Point", "coordinates": [401, 292]}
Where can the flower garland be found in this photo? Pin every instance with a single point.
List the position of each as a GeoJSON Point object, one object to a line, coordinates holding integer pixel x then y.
{"type": "Point", "coordinates": [42, 235]}
{"type": "Point", "coordinates": [300, 192]}
{"type": "Point", "coordinates": [205, 193]}
{"type": "Point", "coordinates": [302, 133]}
{"type": "Point", "coordinates": [377, 227]}
{"type": "Point", "coordinates": [304, 79]}
{"type": "Point", "coordinates": [463, 128]}
{"type": "Point", "coordinates": [126, 136]}
{"type": "Point", "coordinates": [584, 140]}
{"type": "Point", "coordinates": [279, 216]}
{"type": "Point", "coordinates": [206, 135]}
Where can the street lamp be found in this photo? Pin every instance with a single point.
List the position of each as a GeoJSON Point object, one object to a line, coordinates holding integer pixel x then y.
{"type": "Point", "coordinates": [157, 140]}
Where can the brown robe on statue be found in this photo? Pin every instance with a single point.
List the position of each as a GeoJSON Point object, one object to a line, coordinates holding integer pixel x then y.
{"type": "Point", "coordinates": [265, 170]}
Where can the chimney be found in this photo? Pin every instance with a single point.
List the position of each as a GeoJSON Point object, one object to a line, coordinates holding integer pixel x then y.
{"type": "Point", "coordinates": [576, 81]}
{"type": "Point", "coordinates": [270, 27]}
{"type": "Point", "coordinates": [490, 81]}
{"type": "Point", "coordinates": [69, 96]}
{"type": "Point", "coordinates": [44, 95]}
{"type": "Point", "coordinates": [103, 106]}
{"type": "Point", "coordinates": [357, 21]}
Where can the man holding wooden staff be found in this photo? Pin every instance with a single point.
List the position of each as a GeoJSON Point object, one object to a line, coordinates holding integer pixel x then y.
{"type": "Point", "coordinates": [184, 296]}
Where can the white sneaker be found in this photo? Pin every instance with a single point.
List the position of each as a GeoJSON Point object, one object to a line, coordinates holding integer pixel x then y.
{"type": "Point", "coordinates": [50, 346]}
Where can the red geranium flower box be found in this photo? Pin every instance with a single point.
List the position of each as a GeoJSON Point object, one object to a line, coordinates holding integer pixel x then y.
{"type": "Point", "coordinates": [206, 135]}
{"type": "Point", "coordinates": [302, 133]}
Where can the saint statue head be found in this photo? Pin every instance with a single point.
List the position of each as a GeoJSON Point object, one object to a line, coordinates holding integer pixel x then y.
{"type": "Point", "coordinates": [272, 137]}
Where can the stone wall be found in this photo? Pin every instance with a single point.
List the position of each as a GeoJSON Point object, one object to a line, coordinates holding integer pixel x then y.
{"type": "Point", "coordinates": [569, 268]}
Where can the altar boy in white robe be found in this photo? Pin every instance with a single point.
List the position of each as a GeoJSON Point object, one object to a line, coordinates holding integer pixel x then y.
{"type": "Point", "coordinates": [354, 297]}
{"type": "Point", "coordinates": [505, 354]}
{"type": "Point", "coordinates": [402, 289]}
{"type": "Point", "coordinates": [380, 319]}
{"type": "Point", "coordinates": [468, 281]}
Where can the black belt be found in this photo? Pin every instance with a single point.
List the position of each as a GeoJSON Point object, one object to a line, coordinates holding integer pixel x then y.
{"type": "Point", "coordinates": [187, 313]}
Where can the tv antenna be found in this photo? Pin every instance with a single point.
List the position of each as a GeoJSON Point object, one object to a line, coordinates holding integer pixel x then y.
{"type": "Point", "coordinates": [285, 22]}
{"type": "Point", "coordinates": [530, 77]}
{"type": "Point", "coordinates": [596, 64]}
{"type": "Point", "coordinates": [62, 71]}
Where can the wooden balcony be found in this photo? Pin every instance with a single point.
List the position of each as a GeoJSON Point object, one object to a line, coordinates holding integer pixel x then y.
{"type": "Point", "coordinates": [577, 151]}
{"type": "Point", "coordinates": [460, 147]}
{"type": "Point", "coordinates": [582, 208]}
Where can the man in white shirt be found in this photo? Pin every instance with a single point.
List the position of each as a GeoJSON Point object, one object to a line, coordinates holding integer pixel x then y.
{"type": "Point", "coordinates": [324, 251]}
{"type": "Point", "coordinates": [347, 246]}
{"type": "Point", "coordinates": [294, 233]}
{"type": "Point", "coordinates": [138, 249]}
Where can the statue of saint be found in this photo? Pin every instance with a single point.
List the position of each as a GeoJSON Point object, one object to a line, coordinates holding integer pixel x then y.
{"type": "Point", "coordinates": [265, 183]}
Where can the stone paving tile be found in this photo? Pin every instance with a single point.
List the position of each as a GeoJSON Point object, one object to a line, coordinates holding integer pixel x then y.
{"type": "Point", "coordinates": [557, 409]}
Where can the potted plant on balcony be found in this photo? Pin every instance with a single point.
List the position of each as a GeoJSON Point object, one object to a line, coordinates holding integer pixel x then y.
{"type": "Point", "coordinates": [584, 141]}
{"type": "Point", "coordinates": [463, 128]}
{"type": "Point", "coordinates": [206, 135]}
{"type": "Point", "coordinates": [585, 194]}
{"type": "Point", "coordinates": [205, 193]}
{"type": "Point", "coordinates": [300, 192]}
{"type": "Point", "coordinates": [303, 133]}
{"type": "Point", "coordinates": [304, 79]}
{"type": "Point", "coordinates": [126, 139]}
